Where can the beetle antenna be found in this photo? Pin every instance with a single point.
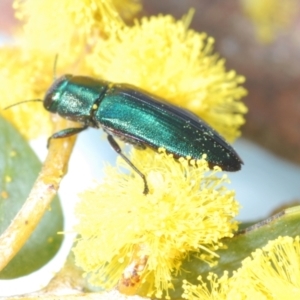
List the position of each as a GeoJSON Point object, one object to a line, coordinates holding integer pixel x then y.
{"type": "Point", "coordinates": [37, 100]}
{"type": "Point", "coordinates": [32, 100]}
{"type": "Point", "coordinates": [54, 66]}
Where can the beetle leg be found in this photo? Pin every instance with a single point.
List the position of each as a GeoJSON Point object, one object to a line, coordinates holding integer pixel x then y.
{"type": "Point", "coordinates": [117, 148]}
{"type": "Point", "coordinates": [65, 133]}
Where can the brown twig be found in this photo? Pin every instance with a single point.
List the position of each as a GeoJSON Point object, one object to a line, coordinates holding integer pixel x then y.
{"type": "Point", "coordinates": [40, 197]}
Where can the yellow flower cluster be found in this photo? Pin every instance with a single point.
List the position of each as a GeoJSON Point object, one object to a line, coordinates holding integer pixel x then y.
{"type": "Point", "coordinates": [214, 289]}
{"type": "Point", "coordinates": [270, 17]}
{"type": "Point", "coordinates": [82, 21]}
{"type": "Point", "coordinates": [187, 209]}
{"type": "Point", "coordinates": [25, 76]}
{"type": "Point", "coordinates": [272, 273]}
{"type": "Point", "coordinates": [161, 55]}
{"type": "Point", "coordinates": [52, 27]}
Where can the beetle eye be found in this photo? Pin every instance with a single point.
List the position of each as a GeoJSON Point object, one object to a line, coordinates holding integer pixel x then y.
{"type": "Point", "coordinates": [49, 99]}
{"type": "Point", "coordinates": [53, 94]}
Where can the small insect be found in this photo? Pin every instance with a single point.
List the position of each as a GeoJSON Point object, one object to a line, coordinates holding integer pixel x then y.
{"type": "Point", "coordinates": [137, 117]}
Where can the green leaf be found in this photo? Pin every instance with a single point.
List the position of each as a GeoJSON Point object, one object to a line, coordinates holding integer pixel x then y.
{"type": "Point", "coordinates": [19, 168]}
{"type": "Point", "coordinates": [239, 247]}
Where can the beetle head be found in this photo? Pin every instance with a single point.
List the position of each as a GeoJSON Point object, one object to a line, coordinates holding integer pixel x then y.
{"type": "Point", "coordinates": [55, 92]}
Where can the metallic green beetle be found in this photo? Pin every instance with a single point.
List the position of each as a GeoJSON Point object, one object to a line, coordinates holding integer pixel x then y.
{"type": "Point", "coordinates": [136, 117]}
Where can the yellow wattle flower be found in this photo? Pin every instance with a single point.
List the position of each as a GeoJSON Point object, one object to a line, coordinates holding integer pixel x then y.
{"type": "Point", "coordinates": [25, 76]}
{"type": "Point", "coordinates": [70, 27]}
{"type": "Point", "coordinates": [214, 289]}
{"type": "Point", "coordinates": [27, 68]}
{"type": "Point", "coordinates": [272, 272]}
{"type": "Point", "coordinates": [187, 209]}
{"type": "Point", "coordinates": [163, 56]}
